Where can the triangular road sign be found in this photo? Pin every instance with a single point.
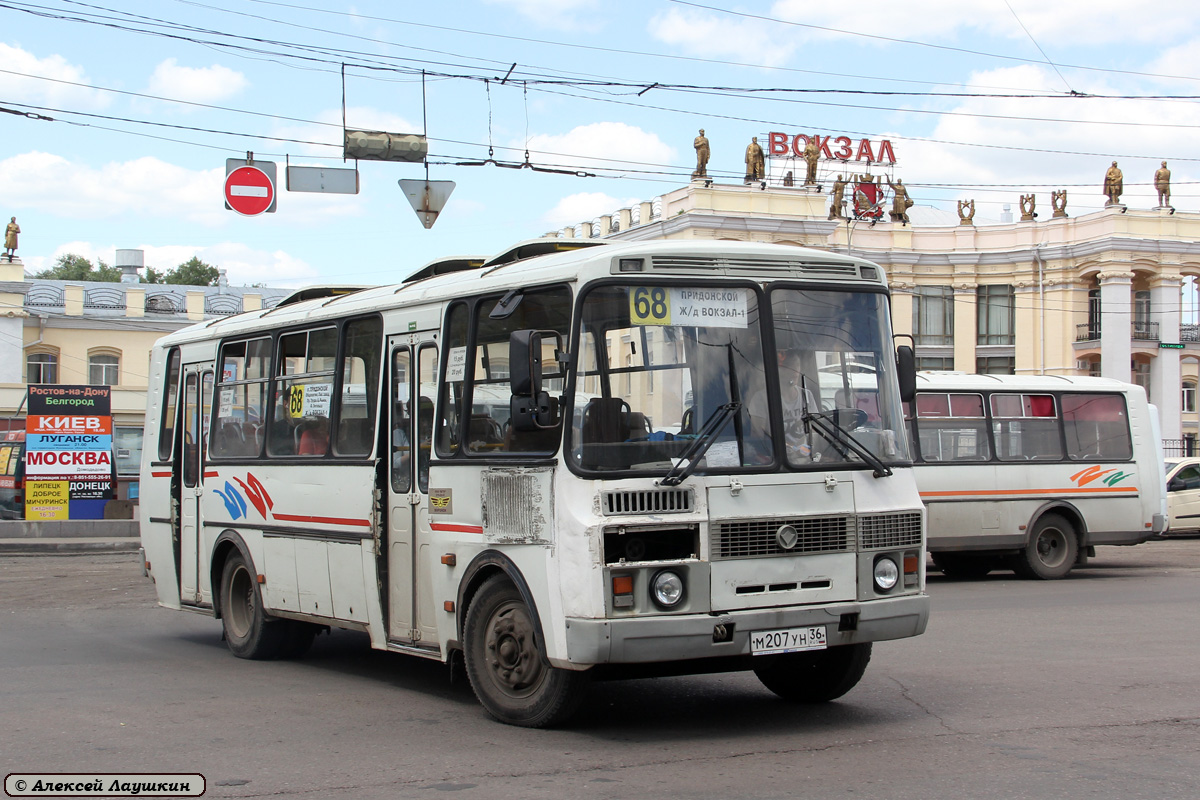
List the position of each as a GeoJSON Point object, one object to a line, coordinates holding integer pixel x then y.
{"type": "Point", "coordinates": [427, 198]}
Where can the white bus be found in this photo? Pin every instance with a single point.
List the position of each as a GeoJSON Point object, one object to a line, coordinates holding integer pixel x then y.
{"type": "Point", "coordinates": [647, 499]}
{"type": "Point", "coordinates": [1032, 473]}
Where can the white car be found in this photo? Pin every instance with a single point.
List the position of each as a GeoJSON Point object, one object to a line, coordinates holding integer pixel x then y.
{"type": "Point", "coordinates": [1183, 495]}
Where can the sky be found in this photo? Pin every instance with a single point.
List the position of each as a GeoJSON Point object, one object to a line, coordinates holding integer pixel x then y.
{"type": "Point", "coordinates": [119, 115]}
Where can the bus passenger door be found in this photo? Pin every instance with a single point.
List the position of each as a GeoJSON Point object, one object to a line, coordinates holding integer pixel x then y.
{"type": "Point", "coordinates": [191, 487]}
{"type": "Point", "coordinates": [410, 614]}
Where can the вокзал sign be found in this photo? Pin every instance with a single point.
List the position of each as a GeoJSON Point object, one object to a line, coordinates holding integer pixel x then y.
{"type": "Point", "coordinates": [839, 148]}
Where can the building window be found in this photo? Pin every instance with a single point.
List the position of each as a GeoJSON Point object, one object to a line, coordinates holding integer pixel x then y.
{"type": "Point", "coordinates": [933, 315]}
{"type": "Point", "coordinates": [1141, 376]}
{"type": "Point", "coordinates": [1141, 324]}
{"type": "Point", "coordinates": [935, 363]}
{"type": "Point", "coordinates": [996, 365]}
{"type": "Point", "coordinates": [1189, 396]}
{"type": "Point", "coordinates": [41, 368]}
{"type": "Point", "coordinates": [104, 370]}
{"type": "Point", "coordinates": [997, 319]}
{"type": "Point", "coordinates": [1093, 323]}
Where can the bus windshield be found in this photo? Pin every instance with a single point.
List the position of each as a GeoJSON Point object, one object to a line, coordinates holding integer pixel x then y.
{"type": "Point", "coordinates": [655, 364]}
{"type": "Point", "coordinates": [659, 366]}
{"type": "Point", "coordinates": [837, 377]}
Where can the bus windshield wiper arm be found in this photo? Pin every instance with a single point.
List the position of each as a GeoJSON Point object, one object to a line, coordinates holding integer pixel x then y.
{"type": "Point", "coordinates": [696, 449]}
{"type": "Point", "coordinates": [844, 440]}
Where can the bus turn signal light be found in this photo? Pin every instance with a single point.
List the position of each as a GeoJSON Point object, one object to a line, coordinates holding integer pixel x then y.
{"type": "Point", "coordinates": [622, 584]}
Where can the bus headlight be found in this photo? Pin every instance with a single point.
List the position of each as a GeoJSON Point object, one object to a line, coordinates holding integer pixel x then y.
{"type": "Point", "coordinates": [886, 574]}
{"type": "Point", "coordinates": [666, 589]}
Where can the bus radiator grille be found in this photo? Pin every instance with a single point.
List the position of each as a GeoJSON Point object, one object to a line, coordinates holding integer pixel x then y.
{"type": "Point", "coordinates": [889, 531]}
{"type": "Point", "coordinates": [755, 538]}
{"type": "Point", "coordinates": [662, 501]}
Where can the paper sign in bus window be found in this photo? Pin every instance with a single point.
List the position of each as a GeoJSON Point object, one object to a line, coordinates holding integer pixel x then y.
{"type": "Point", "coordinates": [711, 307]}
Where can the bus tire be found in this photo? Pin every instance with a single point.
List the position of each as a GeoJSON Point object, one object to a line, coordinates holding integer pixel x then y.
{"type": "Point", "coordinates": [508, 671]}
{"type": "Point", "coordinates": [963, 566]}
{"type": "Point", "coordinates": [1051, 552]}
{"type": "Point", "coordinates": [815, 677]}
{"type": "Point", "coordinates": [249, 632]}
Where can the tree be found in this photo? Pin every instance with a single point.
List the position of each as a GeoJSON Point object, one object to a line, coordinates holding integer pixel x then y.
{"type": "Point", "coordinates": [154, 276]}
{"type": "Point", "coordinates": [192, 272]}
{"type": "Point", "coordinates": [72, 267]}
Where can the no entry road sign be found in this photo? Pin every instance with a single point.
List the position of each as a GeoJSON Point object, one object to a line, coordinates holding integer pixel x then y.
{"type": "Point", "coordinates": [249, 191]}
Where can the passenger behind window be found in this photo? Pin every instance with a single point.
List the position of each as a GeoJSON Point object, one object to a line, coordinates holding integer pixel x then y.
{"type": "Point", "coordinates": [314, 437]}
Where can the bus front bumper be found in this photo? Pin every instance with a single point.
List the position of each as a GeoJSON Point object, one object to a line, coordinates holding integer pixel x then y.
{"type": "Point", "coordinates": [691, 636]}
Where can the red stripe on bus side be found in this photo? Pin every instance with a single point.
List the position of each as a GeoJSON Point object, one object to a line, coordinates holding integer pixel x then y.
{"type": "Point", "coordinates": [362, 523]}
{"type": "Point", "coordinates": [1074, 490]}
{"type": "Point", "coordinates": [160, 474]}
{"type": "Point", "coordinates": [211, 475]}
{"type": "Point", "coordinates": [452, 528]}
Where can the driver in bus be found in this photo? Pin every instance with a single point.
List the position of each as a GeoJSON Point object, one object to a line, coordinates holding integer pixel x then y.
{"type": "Point", "coordinates": [795, 398]}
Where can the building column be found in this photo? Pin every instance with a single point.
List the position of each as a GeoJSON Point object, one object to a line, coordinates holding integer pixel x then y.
{"type": "Point", "coordinates": [1165, 381]}
{"type": "Point", "coordinates": [1028, 334]}
{"type": "Point", "coordinates": [965, 327]}
{"type": "Point", "coordinates": [1116, 318]}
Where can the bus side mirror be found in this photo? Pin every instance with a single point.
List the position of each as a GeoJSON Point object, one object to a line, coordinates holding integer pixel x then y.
{"type": "Point", "coordinates": [531, 408]}
{"type": "Point", "coordinates": [525, 362]}
{"type": "Point", "coordinates": [906, 372]}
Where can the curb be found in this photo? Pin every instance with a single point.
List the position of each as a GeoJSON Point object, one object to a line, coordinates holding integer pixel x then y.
{"type": "Point", "coordinates": [67, 546]}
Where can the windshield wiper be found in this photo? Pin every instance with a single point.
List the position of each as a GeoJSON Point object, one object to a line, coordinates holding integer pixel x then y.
{"type": "Point", "coordinates": [844, 441]}
{"type": "Point", "coordinates": [696, 449]}
{"type": "Point", "coordinates": [838, 436]}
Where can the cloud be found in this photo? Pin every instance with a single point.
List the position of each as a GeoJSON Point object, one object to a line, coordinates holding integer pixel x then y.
{"type": "Point", "coordinates": [584, 207]}
{"type": "Point", "coordinates": [1072, 155]}
{"type": "Point", "coordinates": [561, 14]}
{"type": "Point", "coordinates": [601, 145]}
{"type": "Point", "coordinates": [20, 89]}
{"type": "Point", "coordinates": [195, 84]}
{"type": "Point", "coordinates": [1054, 25]}
{"type": "Point", "coordinates": [146, 188]}
{"type": "Point", "coordinates": [723, 36]}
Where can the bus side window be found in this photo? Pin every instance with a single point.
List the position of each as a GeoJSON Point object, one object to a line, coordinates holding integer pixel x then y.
{"type": "Point", "coordinates": [166, 435]}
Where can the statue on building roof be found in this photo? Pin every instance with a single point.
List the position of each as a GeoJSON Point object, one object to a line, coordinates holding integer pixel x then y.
{"type": "Point", "coordinates": [966, 212]}
{"type": "Point", "coordinates": [10, 239]}
{"type": "Point", "coordinates": [812, 152]}
{"type": "Point", "coordinates": [702, 153]}
{"type": "Point", "coordinates": [1114, 185]}
{"type": "Point", "coordinates": [755, 162]}
{"type": "Point", "coordinates": [837, 198]}
{"type": "Point", "coordinates": [1028, 204]}
{"type": "Point", "coordinates": [901, 202]}
{"type": "Point", "coordinates": [1162, 182]}
{"type": "Point", "coordinates": [1058, 201]}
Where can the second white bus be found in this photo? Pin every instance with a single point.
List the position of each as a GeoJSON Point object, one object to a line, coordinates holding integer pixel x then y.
{"type": "Point", "coordinates": [1032, 473]}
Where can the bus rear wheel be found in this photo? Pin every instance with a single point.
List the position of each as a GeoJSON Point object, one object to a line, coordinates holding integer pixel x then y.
{"type": "Point", "coordinates": [508, 671]}
{"type": "Point", "coordinates": [815, 677]}
{"type": "Point", "coordinates": [249, 632]}
{"type": "Point", "coordinates": [1051, 552]}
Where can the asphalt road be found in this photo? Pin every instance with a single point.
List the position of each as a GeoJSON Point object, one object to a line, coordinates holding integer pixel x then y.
{"type": "Point", "coordinates": [1080, 688]}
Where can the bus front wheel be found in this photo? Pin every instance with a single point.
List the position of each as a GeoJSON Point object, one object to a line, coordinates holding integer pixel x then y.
{"type": "Point", "coordinates": [249, 632]}
{"type": "Point", "coordinates": [814, 677]}
{"type": "Point", "coordinates": [508, 671]}
{"type": "Point", "coordinates": [1051, 552]}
